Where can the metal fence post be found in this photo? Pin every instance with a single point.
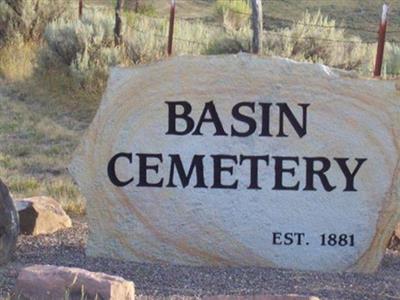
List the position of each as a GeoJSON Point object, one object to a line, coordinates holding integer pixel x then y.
{"type": "Point", "coordinates": [80, 8]}
{"type": "Point", "coordinates": [381, 41]}
{"type": "Point", "coordinates": [171, 27]}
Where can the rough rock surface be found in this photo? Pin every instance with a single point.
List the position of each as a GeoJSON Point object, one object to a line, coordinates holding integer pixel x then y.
{"type": "Point", "coordinates": [52, 282]}
{"type": "Point", "coordinates": [397, 231]}
{"type": "Point", "coordinates": [8, 225]}
{"type": "Point", "coordinates": [347, 118]}
{"type": "Point", "coordinates": [41, 215]}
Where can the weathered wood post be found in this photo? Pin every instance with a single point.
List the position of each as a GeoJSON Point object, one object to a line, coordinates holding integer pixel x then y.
{"type": "Point", "coordinates": [381, 41]}
{"type": "Point", "coordinates": [257, 25]}
{"type": "Point", "coordinates": [118, 22]}
{"type": "Point", "coordinates": [136, 6]}
{"type": "Point", "coordinates": [171, 27]}
{"type": "Point", "coordinates": [80, 9]}
{"type": "Point", "coordinates": [9, 225]}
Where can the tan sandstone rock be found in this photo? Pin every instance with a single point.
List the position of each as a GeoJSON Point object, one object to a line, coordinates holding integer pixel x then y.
{"type": "Point", "coordinates": [41, 215]}
{"type": "Point", "coordinates": [47, 282]}
{"type": "Point", "coordinates": [397, 231]}
{"type": "Point", "coordinates": [241, 160]}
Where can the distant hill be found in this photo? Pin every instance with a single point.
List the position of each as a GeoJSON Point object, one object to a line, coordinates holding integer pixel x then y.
{"type": "Point", "coordinates": [361, 17]}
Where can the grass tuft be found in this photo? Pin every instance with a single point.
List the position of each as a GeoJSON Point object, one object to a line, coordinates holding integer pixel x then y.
{"type": "Point", "coordinates": [17, 60]}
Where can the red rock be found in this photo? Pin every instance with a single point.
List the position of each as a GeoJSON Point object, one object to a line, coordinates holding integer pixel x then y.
{"type": "Point", "coordinates": [52, 282]}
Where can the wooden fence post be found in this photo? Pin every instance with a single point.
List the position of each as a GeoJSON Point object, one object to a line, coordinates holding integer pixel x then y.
{"type": "Point", "coordinates": [257, 25]}
{"type": "Point", "coordinates": [80, 8]}
{"type": "Point", "coordinates": [171, 27]}
{"type": "Point", "coordinates": [381, 41]}
{"type": "Point", "coordinates": [118, 22]}
{"type": "Point", "coordinates": [136, 6]}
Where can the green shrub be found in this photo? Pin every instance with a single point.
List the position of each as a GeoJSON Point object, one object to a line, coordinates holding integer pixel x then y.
{"type": "Point", "coordinates": [391, 63]}
{"type": "Point", "coordinates": [85, 48]}
{"type": "Point", "coordinates": [147, 9]}
{"type": "Point", "coordinates": [316, 39]}
{"type": "Point", "coordinates": [234, 14]}
{"type": "Point", "coordinates": [146, 38]}
{"type": "Point", "coordinates": [28, 18]}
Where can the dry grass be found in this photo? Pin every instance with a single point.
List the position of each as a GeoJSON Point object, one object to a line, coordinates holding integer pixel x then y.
{"type": "Point", "coordinates": [234, 14]}
{"type": "Point", "coordinates": [40, 127]}
{"type": "Point", "coordinates": [315, 38]}
{"type": "Point", "coordinates": [146, 38]}
{"type": "Point", "coordinates": [17, 60]}
{"type": "Point", "coordinates": [34, 151]}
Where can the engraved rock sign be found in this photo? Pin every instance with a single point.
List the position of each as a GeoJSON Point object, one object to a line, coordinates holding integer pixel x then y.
{"type": "Point", "coordinates": [241, 160]}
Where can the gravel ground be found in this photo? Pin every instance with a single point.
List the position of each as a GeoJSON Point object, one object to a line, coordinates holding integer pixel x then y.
{"type": "Point", "coordinates": [67, 248]}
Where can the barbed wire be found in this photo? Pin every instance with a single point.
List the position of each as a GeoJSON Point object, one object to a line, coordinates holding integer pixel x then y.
{"type": "Point", "coordinates": [193, 20]}
{"type": "Point", "coordinates": [308, 38]}
{"type": "Point", "coordinates": [292, 22]}
{"type": "Point", "coordinates": [267, 17]}
{"type": "Point", "coordinates": [317, 25]}
{"type": "Point", "coordinates": [164, 37]}
{"type": "Point", "coordinates": [320, 25]}
{"type": "Point", "coordinates": [318, 38]}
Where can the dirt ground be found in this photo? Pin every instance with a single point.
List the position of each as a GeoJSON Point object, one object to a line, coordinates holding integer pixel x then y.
{"type": "Point", "coordinates": [67, 248]}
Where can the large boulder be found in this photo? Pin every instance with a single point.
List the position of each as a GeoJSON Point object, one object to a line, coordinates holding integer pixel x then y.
{"type": "Point", "coordinates": [41, 215]}
{"type": "Point", "coordinates": [52, 282]}
{"type": "Point", "coordinates": [241, 160]}
{"type": "Point", "coordinates": [8, 224]}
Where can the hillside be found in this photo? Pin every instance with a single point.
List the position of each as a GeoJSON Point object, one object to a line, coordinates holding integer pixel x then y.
{"type": "Point", "coordinates": [361, 17]}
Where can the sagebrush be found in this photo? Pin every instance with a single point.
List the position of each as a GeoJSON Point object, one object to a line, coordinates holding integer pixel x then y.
{"type": "Point", "coordinates": [233, 14]}
{"type": "Point", "coordinates": [315, 38]}
{"type": "Point", "coordinates": [28, 18]}
{"type": "Point", "coordinates": [391, 63]}
{"type": "Point", "coordinates": [85, 48]}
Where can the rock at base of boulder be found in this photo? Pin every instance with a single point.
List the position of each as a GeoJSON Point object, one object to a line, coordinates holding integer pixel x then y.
{"type": "Point", "coordinates": [394, 243]}
{"type": "Point", "coordinates": [397, 231]}
{"type": "Point", "coordinates": [52, 282]}
{"type": "Point", "coordinates": [8, 225]}
{"type": "Point", "coordinates": [41, 215]}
